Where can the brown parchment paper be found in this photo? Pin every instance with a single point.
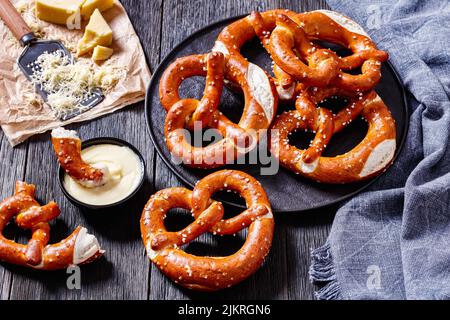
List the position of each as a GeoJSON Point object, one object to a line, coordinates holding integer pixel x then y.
{"type": "Point", "coordinates": [23, 113]}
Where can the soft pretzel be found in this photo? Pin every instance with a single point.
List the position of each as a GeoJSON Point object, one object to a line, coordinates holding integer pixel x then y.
{"type": "Point", "coordinates": [259, 109]}
{"type": "Point", "coordinates": [372, 155]}
{"type": "Point", "coordinates": [79, 248]}
{"type": "Point", "coordinates": [333, 27]}
{"type": "Point", "coordinates": [67, 146]}
{"type": "Point", "coordinates": [283, 39]}
{"type": "Point", "coordinates": [209, 273]}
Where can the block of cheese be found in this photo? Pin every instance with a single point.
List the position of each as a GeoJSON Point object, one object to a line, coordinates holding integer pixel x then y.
{"type": "Point", "coordinates": [57, 11]}
{"type": "Point", "coordinates": [89, 6]}
{"type": "Point", "coordinates": [102, 53]}
{"type": "Point", "coordinates": [97, 33]}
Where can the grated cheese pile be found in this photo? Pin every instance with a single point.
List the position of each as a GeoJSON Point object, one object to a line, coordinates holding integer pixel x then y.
{"type": "Point", "coordinates": [68, 84]}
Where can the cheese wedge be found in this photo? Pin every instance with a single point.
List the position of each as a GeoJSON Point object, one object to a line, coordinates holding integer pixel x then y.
{"type": "Point", "coordinates": [102, 53]}
{"type": "Point", "coordinates": [97, 33]}
{"type": "Point", "coordinates": [89, 6]}
{"type": "Point", "coordinates": [57, 11]}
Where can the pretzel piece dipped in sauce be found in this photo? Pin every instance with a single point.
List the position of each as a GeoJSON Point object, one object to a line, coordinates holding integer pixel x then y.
{"type": "Point", "coordinates": [67, 147]}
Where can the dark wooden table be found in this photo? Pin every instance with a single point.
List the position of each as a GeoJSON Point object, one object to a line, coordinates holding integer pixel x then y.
{"type": "Point", "coordinates": [125, 271]}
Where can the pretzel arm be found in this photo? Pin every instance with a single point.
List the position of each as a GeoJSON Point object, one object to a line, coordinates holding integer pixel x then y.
{"type": "Point", "coordinates": [283, 79]}
{"type": "Point", "coordinates": [27, 219]}
{"type": "Point", "coordinates": [176, 198]}
{"type": "Point", "coordinates": [209, 103]}
{"type": "Point", "coordinates": [77, 249]}
{"type": "Point", "coordinates": [175, 74]}
{"type": "Point", "coordinates": [36, 218]}
{"type": "Point", "coordinates": [350, 113]}
{"type": "Point", "coordinates": [323, 135]}
{"type": "Point", "coordinates": [359, 57]}
{"type": "Point", "coordinates": [39, 239]}
{"type": "Point", "coordinates": [244, 184]}
{"type": "Point", "coordinates": [336, 28]}
{"type": "Point", "coordinates": [213, 155]}
{"type": "Point", "coordinates": [235, 224]}
{"type": "Point", "coordinates": [215, 273]}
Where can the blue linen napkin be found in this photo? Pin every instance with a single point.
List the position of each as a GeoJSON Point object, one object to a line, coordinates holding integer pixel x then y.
{"type": "Point", "coordinates": [393, 241]}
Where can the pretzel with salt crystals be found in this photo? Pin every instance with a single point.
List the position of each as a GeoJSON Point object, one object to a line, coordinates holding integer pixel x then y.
{"type": "Point", "coordinates": [322, 65]}
{"type": "Point", "coordinates": [209, 273]}
{"type": "Point", "coordinates": [259, 109]}
{"type": "Point", "coordinates": [372, 155]}
{"type": "Point", "coordinates": [67, 146]}
{"type": "Point", "coordinates": [333, 27]}
{"type": "Point", "coordinates": [79, 248]}
{"type": "Point", "coordinates": [316, 25]}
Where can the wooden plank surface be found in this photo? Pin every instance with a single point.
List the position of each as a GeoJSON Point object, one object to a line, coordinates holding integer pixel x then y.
{"type": "Point", "coordinates": [12, 168]}
{"type": "Point", "coordinates": [125, 272]}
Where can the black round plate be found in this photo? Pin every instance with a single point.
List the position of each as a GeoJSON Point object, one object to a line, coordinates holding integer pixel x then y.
{"type": "Point", "coordinates": [287, 192]}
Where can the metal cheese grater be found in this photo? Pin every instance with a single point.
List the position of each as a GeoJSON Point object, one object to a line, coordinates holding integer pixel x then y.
{"type": "Point", "coordinates": [35, 48]}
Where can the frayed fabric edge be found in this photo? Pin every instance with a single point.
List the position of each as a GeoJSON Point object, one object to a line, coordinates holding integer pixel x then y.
{"type": "Point", "coordinates": [322, 271]}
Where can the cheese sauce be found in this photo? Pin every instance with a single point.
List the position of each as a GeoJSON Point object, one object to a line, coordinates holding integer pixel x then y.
{"type": "Point", "coordinates": [125, 169]}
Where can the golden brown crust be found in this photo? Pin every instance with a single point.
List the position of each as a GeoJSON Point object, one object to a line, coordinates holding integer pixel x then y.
{"type": "Point", "coordinates": [208, 273]}
{"type": "Point", "coordinates": [322, 65]}
{"type": "Point", "coordinates": [259, 24]}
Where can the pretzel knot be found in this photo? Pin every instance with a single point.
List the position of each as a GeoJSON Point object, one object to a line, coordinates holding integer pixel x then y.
{"type": "Point", "coordinates": [209, 273]}
{"type": "Point", "coordinates": [78, 248]}
{"type": "Point", "coordinates": [287, 40]}
{"type": "Point", "coordinates": [234, 36]}
{"type": "Point", "coordinates": [237, 139]}
{"type": "Point", "coordinates": [372, 155]}
{"type": "Point", "coordinates": [321, 120]}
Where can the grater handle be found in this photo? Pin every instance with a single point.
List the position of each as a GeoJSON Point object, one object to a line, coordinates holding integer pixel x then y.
{"type": "Point", "coordinates": [15, 22]}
